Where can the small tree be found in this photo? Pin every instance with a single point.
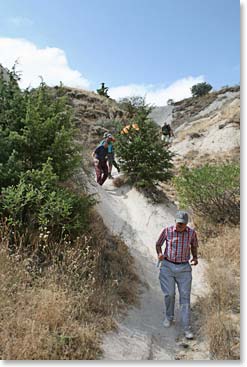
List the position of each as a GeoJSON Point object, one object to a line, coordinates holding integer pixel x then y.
{"type": "Point", "coordinates": [49, 132]}
{"type": "Point", "coordinates": [103, 90]}
{"type": "Point", "coordinates": [142, 155]}
{"type": "Point", "coordinates": [200, 89]}
{"type": "Point", "coordinates": [38, 152]}
{"type": "Point", "coordinates": [170, 102]}
{"type": "Point", "coordinates": [34, 125]}
{"type": "Point", "coordinates": [12, 112]}
{"type": "Point", "coordinates": [134, 105]}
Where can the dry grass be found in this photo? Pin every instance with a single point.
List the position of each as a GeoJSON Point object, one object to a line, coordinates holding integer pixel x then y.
{"type": "Point", "coordinates": [231, 112]}
{"type": "Point", "coordinates": [198, 127]}
{"type": "Point", "coordinates": [224, 337]}
{"type": "Point", "coordinates": [41, 325]}
{"type": "Point", "coordinates": [62, 313]}
{"type": "Point", "coordinates": [194, 159]}
{"type": "Point", "coordinates": [227, 114]}
{"type": "Point", "coordinates": [221, 309]}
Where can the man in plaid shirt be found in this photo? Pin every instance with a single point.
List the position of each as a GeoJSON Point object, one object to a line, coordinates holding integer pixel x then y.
{"type": "Point", "coordinates": [181, 240]}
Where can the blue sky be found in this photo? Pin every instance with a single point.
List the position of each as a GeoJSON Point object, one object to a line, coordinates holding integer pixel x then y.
{"type": "Point", "coordinates": [157, 48]}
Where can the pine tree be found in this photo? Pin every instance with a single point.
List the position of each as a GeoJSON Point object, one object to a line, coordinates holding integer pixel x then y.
{"type": "Point", "coordinates": [35, 125]}
{"type": "Point", "coordinates": [134, 105]}
{"type": "Point", "coordinates": [49, 132]}
{"type": "Point", "coordinates": [142, 155]}
{"type": "Point", "coordinates": [12, 112]}
{"type": "Point", "coordinates": [102, 91]}
{"type": "Point", "coordinates": [200, 89]}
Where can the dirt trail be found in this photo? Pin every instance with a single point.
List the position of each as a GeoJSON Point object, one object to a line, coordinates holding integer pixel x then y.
{"type": "Point", "coordinates": [140, 334]}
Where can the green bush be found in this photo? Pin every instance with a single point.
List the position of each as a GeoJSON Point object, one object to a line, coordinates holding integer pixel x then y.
{"type": "Point", "coordinates": [111, 125]}
{"type": "Point", "coordinates": [35, 125]}
{"type": "Point", "coordinates": [102, 91]}
{"type": "Point", "coordinates": [12, 112]}
{"type": "Point", "coordinates": [135, 105]}
{"type": "Point", "coordinates": [212, 192]}
{"type": "Point", "coordinates": [200, 89]}
{"type": "Point", "coordinates": [37, 154]}
{"type": "Point", "coordinates": [142, 155]}
{"type": "Point", "coordinates": [38, 202]}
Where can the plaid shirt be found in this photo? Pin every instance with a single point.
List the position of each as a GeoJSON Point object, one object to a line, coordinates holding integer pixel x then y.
{"type": "Point", "coordinates": [178, 244]}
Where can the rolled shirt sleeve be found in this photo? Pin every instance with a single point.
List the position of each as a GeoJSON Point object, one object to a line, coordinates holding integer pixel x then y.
{"type": "Point", "coordinates": [194, 240]}
{"type": "Point", "coordinates": [162, 237]}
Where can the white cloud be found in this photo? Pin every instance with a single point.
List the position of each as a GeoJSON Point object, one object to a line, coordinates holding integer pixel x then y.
{"type": "Point", "coordinates": [158, 96]}
{"type": "Point", "coordinates": [51, 63]}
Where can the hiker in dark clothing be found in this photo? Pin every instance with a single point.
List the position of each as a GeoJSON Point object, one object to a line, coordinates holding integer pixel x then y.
{"type": "Point", "coordinates": [100, 162]}
{"type": "Point", "coordinates": [111, 160]}
{"type": "Point", "coordinates": [111, 155]}
{"type": "Point", "coordinates": [167, 132]}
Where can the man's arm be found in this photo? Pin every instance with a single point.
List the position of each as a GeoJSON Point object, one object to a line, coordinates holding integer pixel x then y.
{"type": "Point", "coordinates": [194, 247]}
{"type": "Point", "coordinates": [159, 244]}
{"type": "Point", "coordinates": [94, 156]}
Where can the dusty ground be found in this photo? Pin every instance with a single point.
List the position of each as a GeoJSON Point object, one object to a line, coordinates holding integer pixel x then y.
{"type": "Point", "coordinates": [140, 334]}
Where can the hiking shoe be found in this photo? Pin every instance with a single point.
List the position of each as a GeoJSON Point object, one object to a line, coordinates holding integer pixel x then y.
{"type": "Point", "coordinates": [167, 323]}
{"type": "Point", "coordinates": [118, 169]}
{"type": "Point", "coordinates": [188, 334]}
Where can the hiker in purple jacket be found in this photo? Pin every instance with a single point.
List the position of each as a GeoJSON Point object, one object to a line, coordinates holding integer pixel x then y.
{"type": "Point", "coordinates": [100, 162]}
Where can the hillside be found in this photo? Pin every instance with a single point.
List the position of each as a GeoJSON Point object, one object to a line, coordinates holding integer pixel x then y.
{"type": "Point", "coordinates": [97, 295]}
{"type": "Point", "coordinates": [206, 130]}
{"type": "Point", "coordinates": [93, 115]}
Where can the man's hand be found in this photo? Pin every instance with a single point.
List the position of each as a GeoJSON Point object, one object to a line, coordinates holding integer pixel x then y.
{"type": "Point", "coordinates": [161, 257]}
{"type": "Point", "coordinates": [194, 261]}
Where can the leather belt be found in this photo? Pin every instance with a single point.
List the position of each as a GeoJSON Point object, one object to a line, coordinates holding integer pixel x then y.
{"type": "Point", "coordinates": [174, 262]}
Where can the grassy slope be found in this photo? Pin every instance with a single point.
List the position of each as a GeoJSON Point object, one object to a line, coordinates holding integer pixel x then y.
{"type": "Point", "coordinates": [61, 311]}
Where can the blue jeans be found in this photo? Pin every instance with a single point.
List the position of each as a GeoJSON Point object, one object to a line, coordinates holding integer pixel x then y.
{"type": "Point", "coordinates": [180, 274]}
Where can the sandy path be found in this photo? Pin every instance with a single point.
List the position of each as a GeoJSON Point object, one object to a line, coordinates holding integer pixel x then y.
{"type": "Point", "coordinates": [140, 334]}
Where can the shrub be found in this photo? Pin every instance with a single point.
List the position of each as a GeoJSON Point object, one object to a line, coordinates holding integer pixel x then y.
{"type": "Point", "coordinates": [37, 202]}
{"type": "Point", "coordinates": [35, 125]}
{"type": "Point", "coordinates": [135, 105]}
{"type": "Point", "coordinates": [170, 102]}
{"type": "Point", "coordinates": [200, 89]}
{"type": "Point", "coordinates": [12, 112]}
{"type": "Point", "coordinates": [49, 132]}
{"type": "Point", "coordinates": [212, 191]}
{"type": "Point", "coordinates": [102, 91]}
{"type": "Point", "coordinates": [142, 155]}
{"type": "Point", "coordinates": [111, 125]}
